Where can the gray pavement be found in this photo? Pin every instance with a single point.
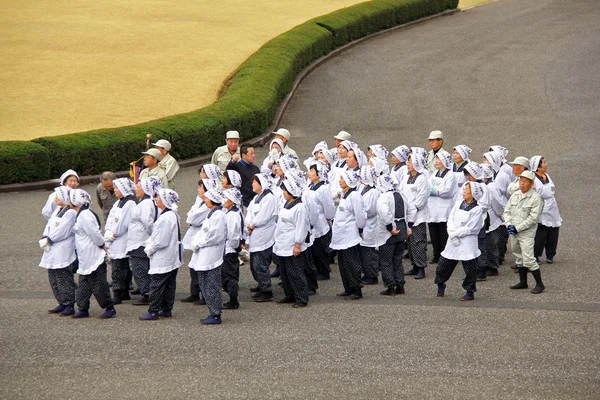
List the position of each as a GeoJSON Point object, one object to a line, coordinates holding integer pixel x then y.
{"type": "Point", "coordinates": [518, 73]}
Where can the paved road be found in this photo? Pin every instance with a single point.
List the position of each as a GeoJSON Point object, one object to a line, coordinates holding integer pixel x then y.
{"type": "Point", "coordinates": [520, 73]}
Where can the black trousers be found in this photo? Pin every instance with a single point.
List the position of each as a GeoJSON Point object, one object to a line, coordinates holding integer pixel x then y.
{"type": "Point", "coordinates": [321, 254]}
{"type": "Point", "coordinates": [162, 291]}
{"type": "Point", "coordinates": [310, 270]}
{"type": "Point", "coordinates": [194, 285]}
{"type": "Point", "coordinates": [349, 263]}
{"type": "Point", "coordinates": [121, 274]}
{"type": "Point", "coordinates": [438, 232]}
{"type": "Point", "coordinates": [94, 284]}
{"type": "Point", "coordinates": [390, 263]}
{"type": "Point", "coordinates": [502, 242]}
{"type": "Point", "coordinates": [230, 274]}
{"type": "Point", "coordinates": [491, 248]}
{"type": "Point", "coordinates": [259, 265]}
{"type": "Point", "coordinates": [369, 257]}
{"type": "Point", "coordinates": [417, 242]}
{"type": "Point", "coordinates": [445, 268]}
{"type": "Point", "coordinates": [293, 276]}
{"type": "Point", "coordinates": [546, 238]}
{"type": "Point", "coordinates": [139, 264]}
{"type": "Point", "coordinates": [63, 285]}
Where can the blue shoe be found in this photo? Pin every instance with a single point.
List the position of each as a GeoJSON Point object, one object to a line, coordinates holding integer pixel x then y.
{"type": "Point", "coordinates": [67, 311]}
{"type": "Point", "coordinates": [59, 308]}
{"type": "Point", "coordinates": [81, 314]}
{"type": "Point", "coordinates": [165, 314]}
{"type": "Point", "coordinates": [468, 296]}
{"type": "Point", "coordinates": [276, 273]}
{"type": "Point", "coordinates": [420, 273]}
{"type": "Point", "coordinates": [108, 313]}
{"type": "Point", "coordinates": [149, 316]}
{"type": "Point", "coordinates": [211, 320]}
{"type": "Point", "coordinates": [441, 289]}
{"type": "Point", "coordinates": [323, 277]}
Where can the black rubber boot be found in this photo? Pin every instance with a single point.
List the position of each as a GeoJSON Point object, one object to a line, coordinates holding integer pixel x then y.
{"type": "Point", "coordinates": [539, 285]}
{"type": "Point", "coordinates": [522, 279]}
{"type": "Point", "coordinates": [232, 304]}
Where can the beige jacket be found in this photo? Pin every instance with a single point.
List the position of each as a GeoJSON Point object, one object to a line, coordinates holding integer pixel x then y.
{"type": "Point", "coordinates": [523, 210]}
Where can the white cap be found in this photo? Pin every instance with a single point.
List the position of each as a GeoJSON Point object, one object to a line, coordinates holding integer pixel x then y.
{"type": "Point", "coordinates": [343, 135]}
{"type": "Point", "coordinates": [154, 153]}
{"type": "Point", "coordinates": [233, 135]}
{"type": "Point", "coordinates": [528, 174]}
{"type": "Point", "coordinates": [522, 161]}
{"type": "Point", "coordinates": [163, 143]}
{"type": "Point", "coordinates": [436, 135]}
{"type": "Point", "coordinates": [284, 133]}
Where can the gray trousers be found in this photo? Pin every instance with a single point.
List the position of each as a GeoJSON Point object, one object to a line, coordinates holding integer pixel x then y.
{"type": "Point", "coordinates": [293, 276]}
{"type": "Point", "coordinates": [63, 285]}
{"type": "Point", "coordinates": [94, 284]}
{"type": "Point", "coordinates": [210, 285]}
{"type": "Point", "coordinates": [369, 257]}
{"type": "Point", "coordinates": [418, 245]}
{"type": "Point", "coordinates": [349, 263]}
{"type": "Point", "coordinates": [162, 291]}
{"type": "Point", "coordinates": [230, 274]}
{"type": "Point", "coordinates": [259, 265]}
{"type": "Point", "coordinates": [139, 264]}
{"type": "Point", "coordinates": [390, 263]}
{"type": "Point", "coordinates": [445, 268]}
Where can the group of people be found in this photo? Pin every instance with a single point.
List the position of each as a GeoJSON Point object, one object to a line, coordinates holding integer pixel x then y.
{"type": "Point", "coordinates": [345, 202]}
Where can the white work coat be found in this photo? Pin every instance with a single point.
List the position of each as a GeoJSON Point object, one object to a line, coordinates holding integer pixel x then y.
{"type": "Point", "coordinates": [141, 222]}
{"type": "Point", "coordinates": [195, 218]}
{"type": "Point", "coordinates": [442, 192]}
{"type": "Point", "coordinates": [163, 247]}
{"type": "Point", "coordinates": [320, 202]}
{"type": "Point", "coordinates": [118, 224]}
{"type": "Point", "coordinates": [209, 243]}
{"type": "Point", "coordinates": [550, 215]}
{"type": "Point", "coordinates": [349, 218]}
{"type": "Point", "coordinates": [417, 194]}
{"type": "Point", "coordinates": [233, 218]}
{"type": "Point", "coordinates": [263, 215]}
{"type": "Point", "coordinates": [59, 230]}
{"type": "Point", "coordinates": [89, 242]}
{"type": "Point", "coordinates": [292, 227]}
{"type": "Point", "coordinates": [369, 234]}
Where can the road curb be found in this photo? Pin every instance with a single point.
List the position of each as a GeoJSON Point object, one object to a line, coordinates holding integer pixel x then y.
{"type": "Point", "coordinates": [256, 142]}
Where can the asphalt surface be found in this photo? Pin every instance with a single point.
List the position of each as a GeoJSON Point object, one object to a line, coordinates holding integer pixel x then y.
{"type": "Point", "coordinates": [518, 73]}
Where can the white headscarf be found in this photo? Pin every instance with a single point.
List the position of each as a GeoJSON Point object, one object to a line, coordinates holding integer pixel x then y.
{"type": "Point", "coordinates": [445, 158]}
{"type": "Point", "coordinates": [401, 153]}
{"type": "Point", "coordinates": [150, 186]}
{"type": "Point", "coordinates": [234, 178]}
{"type": "Point", "coordinates": [169, 198]}
{"type": "Point", "coordinates": [417, 162]}
{"type": "Point", "coordinates": [215, 196]}
{"type": "Point", "coordinates": [287, 162]}
{"type": "Point", "coordinates": [265, 182]}
{"type": "Point", "coordinates": [381, 166]}
{"type": "Point", "coordinates": [209, 184]}
{"type": "Point", "coordinates": [464, 151]}
{"type": "Point", "coordinates": [292, 187]}
{"type": "Point", "coordinates": [322, 169]}
{"type": "Point", "coordinates": [495, 159]}
{"type": "Point", "coordinates": [487, 170]}
{"type": "Point", "coordinates": [475, 170]}
{"type": "Point", "coordinates": [67, 174]}
{"type": "Point", "coordinates": [379, 151]}
{"type": "Point", "coordinates": [535, 162]}
{"type": "Point", "coordinates": [500, 149]}
{"type": "Point", "coordinates": [477, 190]}
{"type": "Point", "coordinates": [421, 155]}
{"type": "Point", "coordinates": [279, 142]}
{"type": "Point", "coordinates": [212, 171]}
{"type": "Point", "coordinates": [351, 178]}
{"type": "Point", "coordinates": [322, 145]}
{"type": "Point", "coordinates": [125, 186]}
{"type": "Point", "coordinates": [79, 197]}
{"type": "Point", "coordinates": [234, 195]}
{"type": "Point", "coordinates": [368, 175]}
{"type": "Point", "coordinates": [62, 193]}
{"type": "Point", "coordinates": [329, 156]}
{"type": "Point", "coordinates": [385, 183]}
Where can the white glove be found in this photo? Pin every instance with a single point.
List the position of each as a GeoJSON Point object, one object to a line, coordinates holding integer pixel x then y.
{"type": "Point", "coordinates": [455, 241]}
{"type": "Point", "coordinates": [109, 254]}
{"type": "Point", "coordinates": [45, 244]}
{"type": "Point", "coordinates": [274, 155]}
{"type": "Point", "coordinates": [108, 236]}
{"type": "Point", "coordinates": [148, 252]}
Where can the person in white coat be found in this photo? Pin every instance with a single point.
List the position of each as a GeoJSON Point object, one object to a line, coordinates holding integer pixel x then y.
{"type": "Point", "coordinates": [141, 222]}
{"type": "Point", "coordinates": [70, 179]}
{"type": "Point", "coordinates": [91, 251]}
{"type": "Point", "coordinates": [503, 180]}
{"type": "Point", "coordinates": [442, 191]}
{"type": "Point", "coordinates": [464, 223]}
{"type": "Point", "coordinates": [369, 253]}
{"type": "Point", "coordinates": [546, 236]}
{"type": "Point", "coordinates": [276, 151]}
{"type": "Point", "coordinates": [195, 217]}
{"type": "Point", "coordinates": [209, 246]}
{"type": "Point", "coordinates": [165, 252]}
{"type": "Point", "coordinates": [230, 270]}
{"type": "Point", "coordinates": [59, 258]}
{"type": "Point", "coordinates": [291, 245]}
{"type": "Point", "coordinates": [399, 158]}
{"type": "Point", "coordinates": [261, 220]}
{"type": "Point", "coordinates": [350, 217]}
{"type": "Point", "coordinates": [415, 188]}
{"type": "Point", "coordinates": [115, 236]}
{"type": "Point", "coordinates": [321, 202]}
{"type": "Point", "coordinates": [494, 207]}
{"type": "Point", "coordinates": [391, 233]}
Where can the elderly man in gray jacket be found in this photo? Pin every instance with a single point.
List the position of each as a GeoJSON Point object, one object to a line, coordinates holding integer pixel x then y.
{"type": "Point", "coordinates": [521, 217]}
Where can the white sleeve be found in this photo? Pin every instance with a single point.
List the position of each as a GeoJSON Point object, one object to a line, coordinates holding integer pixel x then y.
{"type": "Point", "coordinates": [359, 210]}
{"type": "Point", "coordinates": [50, 206]}
{"type": "Point", "coordinates": [422, 195]}
{"type": "Point", "coordinates": [91, 228]}
{"type": "Point", "coordinates": [65, 227]}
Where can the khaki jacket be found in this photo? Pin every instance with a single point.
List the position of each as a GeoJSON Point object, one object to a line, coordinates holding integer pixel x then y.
{"type": "Point", "coordinates": [523, 210]}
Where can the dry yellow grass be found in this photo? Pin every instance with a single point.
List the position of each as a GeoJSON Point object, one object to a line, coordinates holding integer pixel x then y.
{"type": "Point", "coordinates": [74, 66]}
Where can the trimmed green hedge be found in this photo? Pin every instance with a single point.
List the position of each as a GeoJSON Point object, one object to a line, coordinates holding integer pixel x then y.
{"type": "Point", "coordinates": [248, 106]}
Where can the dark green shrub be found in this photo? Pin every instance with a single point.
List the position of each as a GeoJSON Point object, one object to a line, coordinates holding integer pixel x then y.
{"type": "Point", "coordinates": [22, 161]}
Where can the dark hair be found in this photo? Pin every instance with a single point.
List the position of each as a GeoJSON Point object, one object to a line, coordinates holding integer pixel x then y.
{"type": "Point", "coordinates": [353, 153]}
{"type": "Point", "coordinates": [255, 178]}
{"type": "Point", "coordinates": [245, 147]}
{"type": "Point", "coordinates": [314, 166]}
{"type": "Point", "coordinates": [200, 183]}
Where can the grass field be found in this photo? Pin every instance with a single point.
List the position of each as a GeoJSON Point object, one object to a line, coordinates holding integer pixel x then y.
{"type": "Point", "coordinates": [74, 66]}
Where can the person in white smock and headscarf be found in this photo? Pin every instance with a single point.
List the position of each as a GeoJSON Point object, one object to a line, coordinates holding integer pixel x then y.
{"type": "Point", "coordinates": [369, 253]}
{"type": "Point", "coordinates": [165, 252]}
{"type": "Point", "coordinates": [91, 251]}
{"type": "Point", "coordinates": [70, 179]}
{"type": "Point", "coordinates": [115, 236]}
{"type": "Point", "coordinates": [464, 223]}
{"type": "Point", "coordinates": [59, 257]}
